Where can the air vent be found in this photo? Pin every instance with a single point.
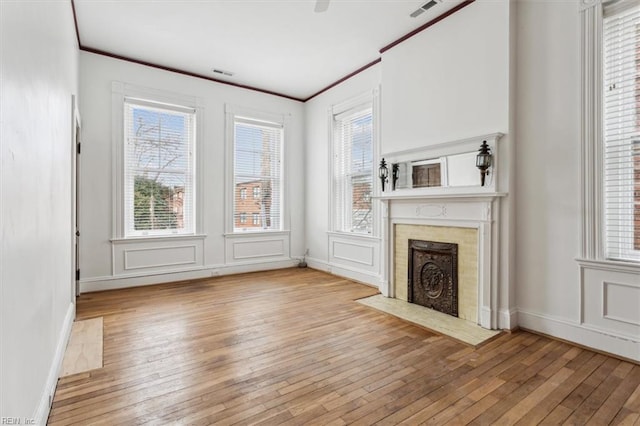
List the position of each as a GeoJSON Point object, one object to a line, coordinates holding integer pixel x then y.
{"type": "Point", "coordinates": [222, 72]}
{"type": "Point", "coordinates": [424, 7]}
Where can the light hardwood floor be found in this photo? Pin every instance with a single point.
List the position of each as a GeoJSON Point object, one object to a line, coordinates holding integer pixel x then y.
{"type": "Point", "coordinates": [292, 347]}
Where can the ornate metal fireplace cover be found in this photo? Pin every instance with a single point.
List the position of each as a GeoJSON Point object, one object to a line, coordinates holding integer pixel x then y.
{"type": "Point", "coordinates": [433, 275]}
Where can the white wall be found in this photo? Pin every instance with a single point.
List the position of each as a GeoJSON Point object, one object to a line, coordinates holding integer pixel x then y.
{"type": "Point", "coordinates": [450, 81]}
{"type": "Point", "coordinates": [96, 76]}
{"type": "Point", "coordinates": [552, 295]}
{"type": "Point", "coordinates": [548, 160]}
{"type": "Point", "coordinates": [38, 77]}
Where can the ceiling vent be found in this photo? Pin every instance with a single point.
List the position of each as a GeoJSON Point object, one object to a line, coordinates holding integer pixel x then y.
{"type": "Point", "coordinates": [424, 7]}
{"type": "Point", "coordinates": [222, 72]}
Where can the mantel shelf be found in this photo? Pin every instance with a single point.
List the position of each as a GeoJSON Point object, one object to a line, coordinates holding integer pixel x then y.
{"type": "Point", "coordinates": [442, 196]}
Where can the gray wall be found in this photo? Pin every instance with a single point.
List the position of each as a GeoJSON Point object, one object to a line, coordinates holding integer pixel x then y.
{"type": "Point", "coordinates": [39, 75]}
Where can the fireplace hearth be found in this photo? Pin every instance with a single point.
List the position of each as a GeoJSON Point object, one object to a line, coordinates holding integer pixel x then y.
{"type": "Point", "coordinates": [433, 275]}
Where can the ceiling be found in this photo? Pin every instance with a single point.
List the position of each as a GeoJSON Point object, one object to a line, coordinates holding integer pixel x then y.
{"type": "Point", "coordinates": [273, 45]}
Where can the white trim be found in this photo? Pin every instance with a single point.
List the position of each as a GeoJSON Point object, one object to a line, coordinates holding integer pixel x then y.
{"type": "Point", "coordinates": [442, 193]}
{"type": "Point", "coordinates": [353, 102]}
{"type": "Point", "coordinates": [143, 279]}
{"type": "Point", "coordinates": [246, 113]}
{"type": "Point", "coordinates": [610, 265]}
{"type": "Point", "coordinates": [158, 239]}
{"type": "Point", "coordinates": [460, 146]}
{"type": "Point", "coordinates": [563, 328]}
{"type": "Point", "coordinates": [260, 233]}
{"type": "Point", "coordinates": [370, 97]}
{"type": "Point", "coordinates": [76, 127]}
{"type": "Point", "coordinates": [121, 91]}
{"type": "Point", "coordinates": [508, 319]}
{"type": "Point", "coordinates": [587, 4]}
{"type": "Point", "coordinates": [439, 153]}
{"type": "Point", "coordinates": [255, 114]}
{"type": "Point", "coordinates": [344, 271]}
{"type": "Point", "coordinates": [356, 235]}
{"type": "Point", "coordinates": [592, 163]}
{"type": "Point", "coordinates": [44, 405]}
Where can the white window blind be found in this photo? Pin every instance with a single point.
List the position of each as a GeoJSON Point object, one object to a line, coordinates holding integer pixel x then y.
{"type": "Point", "coordinates": [621, 59]}
{"type": "Point", "coordinates": [258, 170]}
{"type": "Point", "coordinates": [353, 169]}
{"type": "Point", "coordinates": [158, 168]}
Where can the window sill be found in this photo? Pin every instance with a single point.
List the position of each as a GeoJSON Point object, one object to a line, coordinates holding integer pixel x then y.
{"type": "Point", "coordinates": [248, 234]}
{"type": "Point", "coordinates": [149, 238]}
{"type": "Point", "coordinates": [610, 265]}
{"type": "Point", "coordinates": [353, 235]}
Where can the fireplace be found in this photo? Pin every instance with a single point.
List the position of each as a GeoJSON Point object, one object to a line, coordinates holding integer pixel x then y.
{"type": "Point", "coordinates": [459, 212]}
{"type": "Point", "coordinates": [433, 275]}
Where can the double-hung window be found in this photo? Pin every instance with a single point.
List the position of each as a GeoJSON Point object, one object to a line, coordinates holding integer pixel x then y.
{"type": "Point", "coordinates": [257, 165]}
{"type": "Point", "coordinates": [353, 169]}
{"type": "Point", "coordinates": [159, 168]}
{"type": "Point", "coordinates": [621, 131]}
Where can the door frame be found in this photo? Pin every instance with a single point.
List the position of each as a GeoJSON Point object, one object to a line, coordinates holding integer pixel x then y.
{"type": "Point", "coordinates": [76, 128]}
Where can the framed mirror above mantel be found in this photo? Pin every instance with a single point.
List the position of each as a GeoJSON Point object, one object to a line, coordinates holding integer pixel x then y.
{"type": "Point", "coordinates": [449, 168]}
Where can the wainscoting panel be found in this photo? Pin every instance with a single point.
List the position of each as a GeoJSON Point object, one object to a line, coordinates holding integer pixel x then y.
{"type": "Point", "coordinates": [247, 248]}
{"type": "Point", "coordinates": [611, 301]}
{"type": "Point", "coordinates": [253, 249]}
{"type": "Point", "coordinates": [356, 252]}
{"type": "Point", "coordinates": [141, 258]}
{"type": "Point", "coordinates": [156, 255]}
{"type": "Point", "coordinates": [621, 303]}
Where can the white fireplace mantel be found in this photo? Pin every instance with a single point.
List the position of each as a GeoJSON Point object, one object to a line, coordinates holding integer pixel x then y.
{"type": "Point", "coordinates": [467, 209]}
{"type": "Point", "coordinates": [451, 194]}
{"type": "Point", "coordinates": [450, 205]}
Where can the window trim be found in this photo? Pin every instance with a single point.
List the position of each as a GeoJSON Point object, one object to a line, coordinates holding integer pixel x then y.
{"type": "Point", "coordinates": [231, 113]}
{"type": "Point", "coordinates": [593, 226]}
{"type": "Point", "coordinates": [336, 111]}
{"type": "Point", "coordinates": [121, 91]}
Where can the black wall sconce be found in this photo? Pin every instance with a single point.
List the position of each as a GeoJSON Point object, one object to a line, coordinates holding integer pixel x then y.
{"type": "Point", "coordinates": [483, 161]}
{"type": "Point", "coordinates": [383, 173]}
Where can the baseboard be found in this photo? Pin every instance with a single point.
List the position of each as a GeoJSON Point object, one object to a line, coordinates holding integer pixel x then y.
{"type": "Point", "coordinates": [601, 340]}
{"type": "Point", "coordinates": [92, 284]}
{"type": "Point", "coordinates": [42, 411]}
{"type": "Point", "coordinates": [363, 277]}
{"type": "Point", "coordinates": [508, 319]}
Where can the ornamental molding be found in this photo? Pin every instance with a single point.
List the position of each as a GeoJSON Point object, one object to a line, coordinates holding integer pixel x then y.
{"type": "Point", "coordinates": [588, 4]}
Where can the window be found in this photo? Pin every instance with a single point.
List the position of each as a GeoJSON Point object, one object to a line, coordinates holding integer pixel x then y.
{"type": "Point", "coordinates": [257, 165]}
{"type": "Point", "coordinates": [621, 132]}
{"type": "Point", "coordinates": [159, 141]}
{"type": "Point", "coordinates": [243, 218]}
{"type": "Point", "coordinates": [353, 169]}
{"type": "Point", "coordinates": [243, 193]}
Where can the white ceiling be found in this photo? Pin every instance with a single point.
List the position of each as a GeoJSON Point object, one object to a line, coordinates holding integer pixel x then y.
{"type": "Point", "coordinates": [276, 45]}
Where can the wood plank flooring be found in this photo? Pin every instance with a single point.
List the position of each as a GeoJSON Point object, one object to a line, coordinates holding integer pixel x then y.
{"type": "Point", "coordinates": [292, 347]}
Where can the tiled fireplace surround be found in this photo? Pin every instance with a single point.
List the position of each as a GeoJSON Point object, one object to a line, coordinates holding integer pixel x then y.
{"type": "Point", "coordinates": [467, 216]}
